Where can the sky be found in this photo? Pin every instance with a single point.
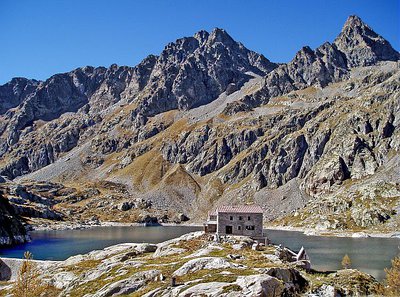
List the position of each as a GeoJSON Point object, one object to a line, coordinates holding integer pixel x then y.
{"type": "Point", "coordinates": [41, 38]}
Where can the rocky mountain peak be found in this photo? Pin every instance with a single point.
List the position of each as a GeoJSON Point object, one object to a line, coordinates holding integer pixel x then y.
{"type": "Point", "coordinates": [202, 36]}
{"type": "Point", "coordinates": [362, 46]}
{"type": "Point", "coordinates": [195, 70]}
{"type": "Point", "coordinates": [353, 21]}
{"type": "Point", "coordinates": [304, 53]}
{"type": "Point", "coordinates": [220, 35]}
{"type": "Point", "coordinates": [14, 92]}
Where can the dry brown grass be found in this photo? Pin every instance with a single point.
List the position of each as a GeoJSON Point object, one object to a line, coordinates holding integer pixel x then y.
{"type": "Point", "coordinates": [178, 175]}
{"type": "Point", "coordinates": [346, 262]}
{"type": "Point", "coordinates": [28, 282]}
{"type": "Point", "coordinates": [308, 91]}
{"type": "Point", "coordinates": [392, 280]}
{"type": "Point", "coordinates": [147, 170]}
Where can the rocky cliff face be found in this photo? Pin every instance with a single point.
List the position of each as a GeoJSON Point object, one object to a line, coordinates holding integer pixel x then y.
{"type": "Point", "coordinates": [209, 121]}
{"type": "Point", "coordinates": [194, 71]}
{"type": "Point", "coordinates": [188, 73]}
{"type": "Point", "coordinates": [357, 45]}
{"type": "Point", "coordinates": [11, 229]}
{"type": "Point", "coordinates": [362, 46]}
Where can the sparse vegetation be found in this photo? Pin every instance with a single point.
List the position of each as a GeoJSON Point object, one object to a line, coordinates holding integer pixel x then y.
{"type": "Point", "coordinates": [231, 288]}
{"type": "Point", "coordinates": [392, 281]}
{"type": "Point", "coordinates": [29, 283]}
{"type": "Point", "coordinates": [346, 262]}
{"type": "Point", "coordinates": [252, 261]}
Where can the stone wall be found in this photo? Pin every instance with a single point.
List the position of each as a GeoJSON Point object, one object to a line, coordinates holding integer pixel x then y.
{"type": "Point", "coordinates": [239, 223]}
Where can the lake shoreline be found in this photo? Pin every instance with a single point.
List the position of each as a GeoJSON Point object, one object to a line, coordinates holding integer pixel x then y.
{"type": "Point", "coordinates": [306, 231]}
{"type": "Point", "coordinates": [78, 226]}
{"type": "Point", "coordinates": [336, 233]}
{"type": "Point", "coordinates": [99, 238]}
{"type": "Point", "coordinates": [194, 249]}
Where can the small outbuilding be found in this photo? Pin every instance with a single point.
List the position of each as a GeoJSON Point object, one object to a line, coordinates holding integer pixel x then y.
{"type": "Point", "coordinates": [245, 220]}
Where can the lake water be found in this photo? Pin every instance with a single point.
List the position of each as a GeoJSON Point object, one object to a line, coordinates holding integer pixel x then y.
{"type": "Point", "coordinates": [59, 245]}
{"type": "Point", "coordinates": [370, 255]}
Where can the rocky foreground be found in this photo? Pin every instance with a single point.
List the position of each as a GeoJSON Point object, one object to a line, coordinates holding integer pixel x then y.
{"type": "Point", "coordinates": [238, 266]}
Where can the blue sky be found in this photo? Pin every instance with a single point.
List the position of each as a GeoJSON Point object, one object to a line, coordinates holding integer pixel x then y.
{"type": "Point", "coordinates": [41, 38]}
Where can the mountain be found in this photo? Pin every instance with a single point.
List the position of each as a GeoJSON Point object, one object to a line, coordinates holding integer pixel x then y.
{"type": "Point", "coordinates": [362, 46]}
{"type": "Point", "coordinates": [209, 122]}
{"type": "Point", "coordinates": [357, 45]}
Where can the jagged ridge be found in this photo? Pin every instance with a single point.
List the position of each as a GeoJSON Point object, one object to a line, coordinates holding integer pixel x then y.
{"type": "Point", "coordinates": [124, 118]}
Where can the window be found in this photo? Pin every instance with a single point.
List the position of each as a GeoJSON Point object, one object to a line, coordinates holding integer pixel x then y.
{"type": "Point", "coordinates": [231, 218]}
{"type": "Point", "coordinates": [248, 218]}
{"type": "Point", "coordinates": [239, 227]}
{"type": "Point", "coordinates": [250, 227]}
{"type": "Point", "coordinates": [240, 218]}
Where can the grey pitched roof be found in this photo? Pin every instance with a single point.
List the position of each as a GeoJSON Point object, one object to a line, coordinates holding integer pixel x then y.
{"type": "Point", "coordinates": [237, 209]}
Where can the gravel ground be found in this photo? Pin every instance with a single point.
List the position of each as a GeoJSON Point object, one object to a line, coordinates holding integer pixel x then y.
{"type": "Point", "coordinates": [215, 107]}
{"type": "Point", "coordinates": [69, 166]}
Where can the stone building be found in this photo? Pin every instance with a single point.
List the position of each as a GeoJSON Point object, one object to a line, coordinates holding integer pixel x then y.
{"type": "Point", "coordinates": [246, 220]}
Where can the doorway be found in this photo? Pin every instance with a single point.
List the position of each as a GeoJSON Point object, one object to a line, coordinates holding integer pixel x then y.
{"type": "Point", "coordinates": [228, 229]}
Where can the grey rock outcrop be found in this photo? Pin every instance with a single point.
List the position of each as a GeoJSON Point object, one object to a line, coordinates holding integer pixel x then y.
{"type": "Point", "coordinates": [11, 229]}
{"type": "Point", "coordinates": [127, 286]}
{"type": "Point", "coordinates": [190, 72]}
{"type": "Point", "coordinates": [205, 263]}
{"type": "Point", "coordinates": [362, 46]}
{"type": "Point", "coordinates": [260, 285]}
{"type": "Point", "coordinates": [71, 102]}
{"type": "Point", "coordinates": [205, 289]}
{"type": "Point", "coordinates": [14, 92]}
{"type": "Point", "coordinates": [356, 45]}
{"type": "Point", "coordinates": [193, 71]}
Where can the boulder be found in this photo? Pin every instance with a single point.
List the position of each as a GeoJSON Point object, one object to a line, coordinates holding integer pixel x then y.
{"type": "Point", "coordinates": [74, 260]}
{"type": "Point", "coordinates": [127, 205]}
{"type": "Point", "coordinates": [360, 235]}
{"type": "Point", "coordinates": [273, 258]}
{"type": "Point", "coordinates": [183, 217]}
{"type": "Point", "coordinates": [234, 256]}
{"type": "Point", "coordinates": [148, 220]}
{"type": "Point", "coordinates": [152, 293]}
{"type": "Point", "coordinates": [128, 285]}
{"type": "Point", "coordinates": [204, 251]}
{"type": "Point", "coordinates": [62, 279]}
{"type": "Point", "coordinates": [326, 291]}
{"type": "Point", "coordinates": [98, 271]}
{"type": "Point", "coordinates": [239, 246]}
{"type": "Point", "coordinates": [205, 289]}
{"type": "Point", "coordinates": [293, 280]}
{"type": "Point", "coordinates": [260, 285]}
{"type": "Point", "coordinates": [231, 88]}
{"type": "Point", "coordinates": [167, 251]}
{"type": "Point", "coordinates": [166, 248]}
{"type": "Point", "coordinates": [205, 263]}
{"type": "Point", "coordinates": [146, 248]}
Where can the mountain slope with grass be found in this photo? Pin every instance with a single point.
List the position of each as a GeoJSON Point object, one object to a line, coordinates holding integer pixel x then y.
{"type": "Point", "coordinates": [315, 141]}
